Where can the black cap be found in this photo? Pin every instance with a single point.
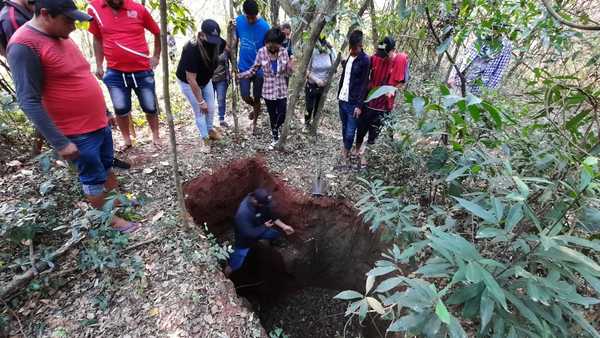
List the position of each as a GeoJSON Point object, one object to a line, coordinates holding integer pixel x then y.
{"type": "Point", "coordinates": [388, 43]}
{"type": "Point", "coordinates": [212, 30]}
{"type": "Point", "coordinates": [65, 7]}
{"type": "Point", "coordinates": [262, 196]}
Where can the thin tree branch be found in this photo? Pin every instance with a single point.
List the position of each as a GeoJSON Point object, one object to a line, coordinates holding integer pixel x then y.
{"type": "Point", "coordinates": [564, 21]}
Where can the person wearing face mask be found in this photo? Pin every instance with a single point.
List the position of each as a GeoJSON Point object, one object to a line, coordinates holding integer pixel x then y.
{"type": "Point", "coordinates": [199, 59]}
{"type": "Point", "coordinates": [388, 68]}
{"type": "Point", "coordinates": [322, 60]}
{"type": "Point", "coordinates": [275, 64]}
{"type": "Point", "coordinates": [353, 92]}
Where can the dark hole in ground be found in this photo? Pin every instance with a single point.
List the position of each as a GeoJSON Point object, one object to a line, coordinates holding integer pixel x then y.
{"type": "Point", "coordinates": [291, 287]}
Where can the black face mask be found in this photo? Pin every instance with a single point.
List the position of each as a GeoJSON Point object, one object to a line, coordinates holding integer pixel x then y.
{"type": "Point", "coordinates": [273, 50]}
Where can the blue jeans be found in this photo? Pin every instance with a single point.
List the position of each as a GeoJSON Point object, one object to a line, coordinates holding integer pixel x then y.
{"type": "Point", "coordinates": [257, 82]}
{"type": "Point", "coordinates": [349, 123]}
{"type": "Point", "coordinates": [237, 258]}
{"type": "Point", "coordinates": [204, 121]}
{"type": "Point", "coordinates": [120, 84]}
{"type": "Point", "coordinates": [95, 159]}
{"type": "Point", "coordinates": [221, 93]}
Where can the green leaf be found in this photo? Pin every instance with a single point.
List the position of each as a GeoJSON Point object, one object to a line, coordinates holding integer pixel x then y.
{"type": "Point", "coordinates": [490, 233]}
{"type": "Point", "coordinates": [473, 272]}
{"type": "Point", "coordinates": [406, 323]}
{"type": "Point", "coordinates": [381, 270]}
{"type": "Point", "coordinates": [379, 91]}
{"type": "Point", "coordinates": [442, 312]}
{"type": "Point", "coordinates": [438, 159]}
{"type": "Point", "coordinates": [389, 284]}
{"type": "Point", "coordinates": [477, 210]}
{"type": "Point", "coordinates": [523, 189]}
{"type": "Point", "coordinates": [573, 124]}
{"type": "Point", "coordinates": [456, 330]}
{"type": "Point", "coordinates": [580, 319]}
{"type": "Point", "coordinates": [494, 288]}
{"type": "Point", "coordinates": [348, 295]}
{"type": "Point", "coordinates": [515, 215]}
{"type": "Point", "coordinates": [486, 310]}
{"type": "Point", "coordinates": [523, 309]}
{"type": "Point", "coordinates": [494, 113]}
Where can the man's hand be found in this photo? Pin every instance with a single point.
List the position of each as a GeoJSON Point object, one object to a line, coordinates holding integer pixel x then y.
{"type": "Point", "coordinates": [288, 230]}
{"type": "Point", "coordinates": [203, 106]}
{"type": "Point", "coordinates": [113, 122]}
{"type": "Point", "coordinates": [100, 72]}
{"type": "Point", "coordinates": [269, 223]}
{"type": "Point", "coordinates": [154, 61]}
{"type": "Point", "coordinates": [357, 112]}
{"type": "Point", "coordinates": [69, 152]}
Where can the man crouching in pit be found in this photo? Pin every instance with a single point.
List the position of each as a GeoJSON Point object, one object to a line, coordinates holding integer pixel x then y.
{"type": "Point", "coordinates": [254, 221]}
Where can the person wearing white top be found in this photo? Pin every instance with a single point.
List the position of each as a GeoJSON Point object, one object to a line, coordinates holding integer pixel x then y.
{"type": "Point", "coordinates": [318, 72]}
{"type": "Point", "coordinates": [353, 91]}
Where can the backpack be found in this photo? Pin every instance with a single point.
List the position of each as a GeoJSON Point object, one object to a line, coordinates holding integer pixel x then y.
{"type": "Point", "coordinates": [11, 13]}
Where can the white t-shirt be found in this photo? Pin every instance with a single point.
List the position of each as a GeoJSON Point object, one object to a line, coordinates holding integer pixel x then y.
{"type": "Point", "coordinates": [344, 92]}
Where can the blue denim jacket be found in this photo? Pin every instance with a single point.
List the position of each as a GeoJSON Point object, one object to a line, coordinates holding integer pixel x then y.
{"type": "Point", "coordinates": [359, 79]}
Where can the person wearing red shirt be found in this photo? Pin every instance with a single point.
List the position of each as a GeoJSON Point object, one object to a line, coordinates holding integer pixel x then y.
{"type": "Point", "coordinates": [60, 96]}
{"type": "Point", "coordinates": [388, 68]}
{"type": "Point", "coordinates": [119, 36]}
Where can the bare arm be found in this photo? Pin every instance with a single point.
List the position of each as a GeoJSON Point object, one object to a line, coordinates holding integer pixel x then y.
{"type": "Point", "coordinates": [99, 55]}
{"type": "Point", "coordinates": [191, 80]}
{"type": "Point", "coordinates": [286, 228]}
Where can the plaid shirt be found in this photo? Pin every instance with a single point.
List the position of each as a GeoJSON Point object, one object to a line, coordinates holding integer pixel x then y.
{"type": "Point", "coordinates": [485, 67]}
{"type": "Point", "coordinates": [274, 84]}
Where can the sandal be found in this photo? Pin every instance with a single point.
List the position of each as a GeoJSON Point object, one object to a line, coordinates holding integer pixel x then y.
{"type": "Point", "coordinates": [125, 148]}
{"type": "Point", "coordinates": [129, 228]}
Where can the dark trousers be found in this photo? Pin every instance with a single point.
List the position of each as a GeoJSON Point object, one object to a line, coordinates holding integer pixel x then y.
{"type": "Point", "coordinates": [277, 109]}
{"type": "Point", "coordinates": [370, 121]}
{"type": "Point", "coordinates": [313, 95]}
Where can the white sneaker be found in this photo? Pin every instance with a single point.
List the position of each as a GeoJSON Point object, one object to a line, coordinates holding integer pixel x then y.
{"type": "Point", "coordinates": [273, 144]}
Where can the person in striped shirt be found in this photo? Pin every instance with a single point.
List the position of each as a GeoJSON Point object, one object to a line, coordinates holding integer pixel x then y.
{"type": "Point", "coordinates": [484, 65]}
{"type": "Point", "coordinates": [274, 61]}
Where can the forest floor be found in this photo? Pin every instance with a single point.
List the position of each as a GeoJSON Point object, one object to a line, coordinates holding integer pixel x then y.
{"type": "Point", "coordinates": [179, 290]}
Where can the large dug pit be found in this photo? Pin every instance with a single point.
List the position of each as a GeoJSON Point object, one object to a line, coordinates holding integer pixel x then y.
{"type": "Point", "coordinates": [291, 286]}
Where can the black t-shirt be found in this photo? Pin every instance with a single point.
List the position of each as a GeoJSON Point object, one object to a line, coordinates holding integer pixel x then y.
{"type": "Point", "coordinates": [191, 61]}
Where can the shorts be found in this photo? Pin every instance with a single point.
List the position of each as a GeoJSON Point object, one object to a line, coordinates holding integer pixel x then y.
{"type": "Point", "coordinates": [95, 159]}
{"type": "Point", "coordinates": [257, 82]}
{"type": "Point", "coordinates": [120, 84]}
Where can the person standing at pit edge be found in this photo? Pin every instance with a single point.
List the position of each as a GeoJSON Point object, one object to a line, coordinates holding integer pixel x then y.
{"type": "Point", "coordinates": [352, 92]}
{"type": "Point", "coordinates": [198, 62]}
{"type": "Point", "coordinates": [388, 68]}
{"type": "Point", "coordinates": [321, 62]}
{"type": "Point", "coordinates": [119, 36]}
{"type": "Point", "coordinates": [250, 31]}
{"type": "Point", "coordinates": [53, 83]}
{"type": "Point", "coordinates": [254, 220]}
{"type": "Point", "coordinates": [275, 64]}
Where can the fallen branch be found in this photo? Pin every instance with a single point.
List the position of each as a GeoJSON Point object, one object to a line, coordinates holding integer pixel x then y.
{"type": "Point", "coordinates": [22, 280]}
{"type": "Point", "coordinates": [137, 245]}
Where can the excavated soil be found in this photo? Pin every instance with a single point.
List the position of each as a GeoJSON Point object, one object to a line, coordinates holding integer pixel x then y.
{"type": "Point", "coordinates": [291, 286]}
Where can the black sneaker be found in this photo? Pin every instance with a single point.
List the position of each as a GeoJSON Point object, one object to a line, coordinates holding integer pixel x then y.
{"type": "Point", "coordinates": [121, 164]}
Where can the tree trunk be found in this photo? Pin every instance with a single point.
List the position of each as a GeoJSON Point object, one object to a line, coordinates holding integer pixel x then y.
{"type": "Point", "coordinates": [234, 70]}
{"type": "Point", "coordinates": [274, 7]}
{"type": "Point", "coordinates": [167, 102]}
{"type": "Point", "coordinates": [374, 34]}
{"type": "Point", "coordinates": [333, 70]}
{"type": "Point", "coordinates": [299, 77]}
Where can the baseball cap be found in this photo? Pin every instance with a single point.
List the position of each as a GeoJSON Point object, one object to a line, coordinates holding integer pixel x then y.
{"type": "Point", "coordinates": [387, 44]}
{"type": "Point", "coordinates": [65, 7]}
{"type": "Point", "coordinates": [262, 196]}
{"type": "Point", "coordinates": [212, 30]}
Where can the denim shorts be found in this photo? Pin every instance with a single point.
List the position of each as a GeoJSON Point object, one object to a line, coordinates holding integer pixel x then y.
{"type": "Point", "coordinates": [256, 82]}
{"type": "Point", "coordinates": [120, 84]}
{"type": "Point", "coordinates": [95, 159]}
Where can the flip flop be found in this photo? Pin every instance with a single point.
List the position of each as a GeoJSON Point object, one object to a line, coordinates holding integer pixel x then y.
{"type": "Point", "coordinates": [129, 228]}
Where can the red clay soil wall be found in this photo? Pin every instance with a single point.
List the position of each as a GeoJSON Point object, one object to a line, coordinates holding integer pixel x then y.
{"type": "Point", "coordinates": [331, 248]}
